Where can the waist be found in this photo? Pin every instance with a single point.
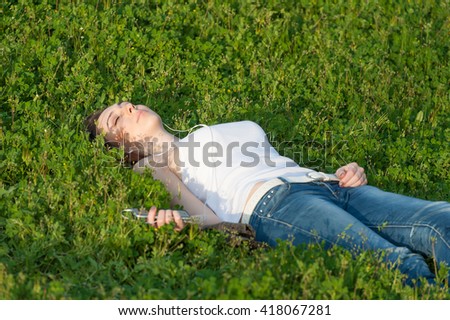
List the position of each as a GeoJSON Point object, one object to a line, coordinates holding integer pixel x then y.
{"type": "Point", "coordinates": [262, 187]}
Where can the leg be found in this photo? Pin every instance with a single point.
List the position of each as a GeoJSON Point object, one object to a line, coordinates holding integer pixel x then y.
{"type": "Point", "coordinates": [308, 213]}
{"type": "Point", "coordinates": [421, 225]}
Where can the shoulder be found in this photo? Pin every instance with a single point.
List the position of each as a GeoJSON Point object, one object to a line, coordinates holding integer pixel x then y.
{"type": "Point", "coordinates": [244, 125]}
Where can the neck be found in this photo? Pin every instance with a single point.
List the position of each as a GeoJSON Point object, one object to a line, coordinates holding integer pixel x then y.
{"type": "Point", "coordinates": [163, 151]}
{"type": "Point", "coordinates": [160, 143]}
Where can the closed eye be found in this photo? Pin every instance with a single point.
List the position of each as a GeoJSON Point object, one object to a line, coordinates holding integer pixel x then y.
{"type": "Point", "coordinates": [117, 120]}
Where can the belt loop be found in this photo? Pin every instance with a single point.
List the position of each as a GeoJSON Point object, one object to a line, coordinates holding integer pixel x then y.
{"type": "Point", "coordinates": [286, 182]}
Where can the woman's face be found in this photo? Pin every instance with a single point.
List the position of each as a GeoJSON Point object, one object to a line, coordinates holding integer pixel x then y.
{"type": "Point", "coordinates": [126, 123]}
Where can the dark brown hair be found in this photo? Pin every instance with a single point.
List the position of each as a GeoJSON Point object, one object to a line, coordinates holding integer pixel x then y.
{"type": "Point", "coordinates": [91, 127]}
{"type": "Point", "coordinates": [90, 124]}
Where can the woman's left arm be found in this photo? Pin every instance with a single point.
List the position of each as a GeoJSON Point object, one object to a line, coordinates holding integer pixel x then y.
{"type": "Point", "coordinates": [181, 195]}
{"type": "Point", "coordinates": [351, 175]}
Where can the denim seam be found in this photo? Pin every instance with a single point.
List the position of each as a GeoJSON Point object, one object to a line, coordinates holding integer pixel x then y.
{"type": "Point", "coordinates": [412, 226]}
{"type": "Point", "coordinates": [314, 235]}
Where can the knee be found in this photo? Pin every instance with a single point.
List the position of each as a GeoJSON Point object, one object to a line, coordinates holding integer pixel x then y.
{"type": "Point", "coordinates": [430, 235]}
{"type": "Point", "coordinates": [433, 240]}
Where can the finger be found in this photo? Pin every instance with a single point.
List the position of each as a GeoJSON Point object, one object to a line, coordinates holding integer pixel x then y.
{"type": "Point", "coordinates": [354, 181]}
{"type": "Point", "coordinates": [350, 171]}
{"type": "Point", "coordinates": [340, 173]}
{"type": "Point", "coordinates": [178, 220]}
{"type": "Point", "coordinates": [169, 216]}
{"type": "Point", "coordinates": [358, 179]}
{"type": "Point", "coordinates": [151, 215]}
{"type": "Point", "coordinates": [364, 181]}
{"type": "Point", "coordinates": [160, 220]}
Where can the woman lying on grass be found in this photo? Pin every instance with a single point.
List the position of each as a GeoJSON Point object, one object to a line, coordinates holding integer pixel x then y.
{"type": "Point", "coordinates": [229, 172]}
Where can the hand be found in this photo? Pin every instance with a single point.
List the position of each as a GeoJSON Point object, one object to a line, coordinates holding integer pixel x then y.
{"type": "Point", "coordinates": [351, 175]}
{"type": "Point", "coordinates": [158, 218]}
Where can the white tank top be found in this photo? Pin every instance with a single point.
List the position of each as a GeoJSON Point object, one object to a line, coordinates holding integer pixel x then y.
{"type": "Point", "coordinates": [221, 163]}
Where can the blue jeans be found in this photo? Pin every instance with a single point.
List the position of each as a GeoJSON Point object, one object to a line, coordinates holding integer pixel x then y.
{"type": "Point", "coordinates": [361, 218]}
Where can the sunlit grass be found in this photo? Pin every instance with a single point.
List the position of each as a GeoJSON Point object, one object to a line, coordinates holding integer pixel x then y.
{"type": "Point", "coordinates": [330, 81]}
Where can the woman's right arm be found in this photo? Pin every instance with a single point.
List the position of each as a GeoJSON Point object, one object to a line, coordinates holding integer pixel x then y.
{"type": "Point", "coordinates": [181, 195]}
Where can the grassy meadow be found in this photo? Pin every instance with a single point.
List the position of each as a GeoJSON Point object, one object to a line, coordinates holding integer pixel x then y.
{"type": "Point", "coordinates": [330, 81]}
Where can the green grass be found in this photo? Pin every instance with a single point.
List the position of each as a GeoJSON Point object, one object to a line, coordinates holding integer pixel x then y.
{"type": "Point", "coordinates": [330, 81]}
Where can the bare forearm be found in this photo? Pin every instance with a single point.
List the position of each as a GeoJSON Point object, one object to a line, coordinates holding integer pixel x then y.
{"type": "Point", "coordinates": [196, 208]}
{"type": "Point", "coordinates": [182, 196]}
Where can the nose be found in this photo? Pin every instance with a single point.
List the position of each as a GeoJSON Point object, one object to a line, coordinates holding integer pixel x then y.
{"type": "Point", "coordinates": [128, 107]}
